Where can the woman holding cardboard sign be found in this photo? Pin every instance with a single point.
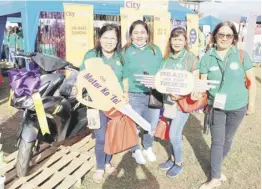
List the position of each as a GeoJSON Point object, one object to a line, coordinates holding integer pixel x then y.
{"type": "Point", "coordinates": [231, 99]}
{"type": "Point", "coordinates": [141, 57]}
{"type": "Point", "coordinates": [177, 57]}
{"type": "Point", "coordinates": [107, 48]}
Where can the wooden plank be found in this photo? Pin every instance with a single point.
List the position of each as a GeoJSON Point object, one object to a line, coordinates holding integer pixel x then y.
{"type": "Point", "coordinates": [81, 143]}
{"type": "Point", "coordinates": [53, 158]}
{"type": "Point", "coordinates": [11, 156]}
{"type": "Point", "coordinates": [48, 172]}
{"type": "Point", "coordinates": [49, 152]}
{"type": "Point", "coordinates": [85, 148]}
{"type": "Point", "coordinates": [70, 180]}
{"type": "Point", "coordinates": [60, 175]}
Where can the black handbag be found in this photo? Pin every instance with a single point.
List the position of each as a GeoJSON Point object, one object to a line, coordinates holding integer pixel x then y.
{"type": "Point", "coordinates": [155, 99]}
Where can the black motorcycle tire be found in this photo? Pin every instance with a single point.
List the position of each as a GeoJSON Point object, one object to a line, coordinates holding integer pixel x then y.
{"type": "Point", "coordinates": [25, 152]}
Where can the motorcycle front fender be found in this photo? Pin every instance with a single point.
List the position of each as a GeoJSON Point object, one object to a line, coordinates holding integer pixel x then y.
{"type": "Point", "coordinates": [30, 131]}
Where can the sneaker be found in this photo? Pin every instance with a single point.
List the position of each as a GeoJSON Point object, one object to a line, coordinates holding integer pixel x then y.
{"type": "Point", "coordinates": [223, 177]}
{"type": "Point", "coordinates": [139, 157]}
{"type": "Point", "coordinates": [98, 176]}
{"type": "Point", "coordinates": [166, 166]}
{"type": "Point", "coordinates": [214, 183]}
{"type": "Point", "coordinates": [149, 154]}
{"type": "Point", "coordinates": [175, 171]}
{"type": "Point", "coordinates": [111, 169]}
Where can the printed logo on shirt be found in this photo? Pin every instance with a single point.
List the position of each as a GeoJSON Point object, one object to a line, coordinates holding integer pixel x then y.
{"type": "Point", "coordinates": [118, 63]}
{"type": "Point", "coordinates": [234, 66]}
{"type": "Point", "coordinates": [214, 68]}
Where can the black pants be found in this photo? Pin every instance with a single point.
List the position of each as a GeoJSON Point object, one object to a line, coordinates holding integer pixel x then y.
{"type": "Point", "coordinates": [223, 129]}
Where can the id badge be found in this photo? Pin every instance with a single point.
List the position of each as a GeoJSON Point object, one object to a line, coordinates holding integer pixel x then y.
{"type": "Point", "coordinates": [220, 101]}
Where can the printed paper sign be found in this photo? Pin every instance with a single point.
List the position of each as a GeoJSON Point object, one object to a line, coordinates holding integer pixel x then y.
{"type": "Point", "coordinates": [79, 31]}
{"type": "Point", "coordinates": [178, 82]}
{"type": "Point", "coordinates": [192, 28]}
{"type": "Point", "coordinates": [104, 91]}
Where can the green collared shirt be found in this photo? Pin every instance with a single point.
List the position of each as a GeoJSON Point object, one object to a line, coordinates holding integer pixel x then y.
{"type": "Point", "coordinates": [138, 61]}
{"type": "Point", "coordinates": [12, 40]}
{"type": "Point", "coordinates": [234, 76]}
{"type": "Point", "coordinates": [113, 62]}
{"type": "Point", "coordinates": [185, 60]}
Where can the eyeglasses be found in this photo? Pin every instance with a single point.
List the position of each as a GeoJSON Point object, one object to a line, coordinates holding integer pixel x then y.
{"type": "Point", "coordinates": [228, 36]}
{"type": "Point", "coordinates": [105, 39]}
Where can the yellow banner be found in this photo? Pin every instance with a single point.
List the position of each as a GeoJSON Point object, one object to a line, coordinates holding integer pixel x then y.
{"type": "Point", "coordinates": [161, 5]}
{"type": "Point", "coordinates": [192, 32]}
{"type": "Point", "coordinates": [40, 112]}
{"type": "Point", "coordinates": [79, 31]}
{"type": "Point", "coordinates": [128, 16]}
{"type": "Point", "coordinates": [162, 28]}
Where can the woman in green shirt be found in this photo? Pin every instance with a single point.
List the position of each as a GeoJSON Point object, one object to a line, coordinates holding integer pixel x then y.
{"type": "Point", "coordinates": [177, 57]}
{"type": "Point", "coordinates": [141, 57]}
{"type": "Point", "coordinates": [231, 99]}
{"type": "Point", "coordinates": [107, 48]}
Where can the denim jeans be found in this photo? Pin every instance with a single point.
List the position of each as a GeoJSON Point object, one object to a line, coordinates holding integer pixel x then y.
{"type": "Point", "coordinates": [6, 50]}
{"type": "Point", "coordinates": [139, 103]}
{"type": "Point", "coordinates": [11, 54]}
{"type": "Point", "coordinates": [223, 129]}
{"type": "Point", "coordinates": [101, 157]}
{"type": "Point", "coordinates": [175, 134]}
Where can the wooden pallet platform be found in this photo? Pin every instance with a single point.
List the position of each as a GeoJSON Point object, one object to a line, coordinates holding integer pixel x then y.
{"type": "Point", "coordinates": [55, 166]}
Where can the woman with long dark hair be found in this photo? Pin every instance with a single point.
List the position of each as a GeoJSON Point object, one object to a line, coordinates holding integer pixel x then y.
{"type": "Point", "coordinates": [107, 48]}
{"type": "Point", "coordinates": [178, 57]}
{"type": "Point", "coordinates": [231, 99]}
{"type": "Point", "coordinates": [139, 56]}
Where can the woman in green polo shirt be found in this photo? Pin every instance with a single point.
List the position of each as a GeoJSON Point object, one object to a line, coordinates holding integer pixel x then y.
{"type": "Point", "coordinates": [107, 48]}
{"type": "Point", "coordinates": [230, 100]}
{"type": "Point", "coordinates": [141, 57]}
{"type": "Point", "coordinates": [177, 57]}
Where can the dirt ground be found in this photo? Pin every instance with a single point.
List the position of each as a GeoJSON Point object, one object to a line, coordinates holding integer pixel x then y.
{"type": "Point", "coordinates": [242, 166]}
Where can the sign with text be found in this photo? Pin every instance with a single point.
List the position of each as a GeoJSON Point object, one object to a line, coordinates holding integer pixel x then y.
{"type": "Point", "coordinates": [162, 28]}
{"type": "Point", "coordinates": [178, 82]}
{"type": "Point", "coordinates": [174, 82]}
{"type": "Point", "coordinates": [104, 91]}
{"type": "Point", "coordinates": [147, 4]}
{"type": "Point", "coordinates": [79, 31]}
{"type": "Point", "coordinates": [128, 16]}
{"type": "Point", "coordinates": [192, 32]}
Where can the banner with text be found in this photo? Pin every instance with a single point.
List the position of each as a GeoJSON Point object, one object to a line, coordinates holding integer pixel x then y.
{"type": "Point", "coordinates": [79, 31]}
{"type": "Point", "coordinates": [162, 28]}
{"type": "Point", "coordinates": [192, 33]}
{"type": "Point", "coordinates": [128, 16]}
{"type": "Point", "coordinates": [161, 5]}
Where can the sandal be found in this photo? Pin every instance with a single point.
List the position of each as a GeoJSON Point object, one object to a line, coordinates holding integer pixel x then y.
{"type": "Point", "coordinates": [98, 176]}
{"type": "Point", "coordinates": [111, 169]}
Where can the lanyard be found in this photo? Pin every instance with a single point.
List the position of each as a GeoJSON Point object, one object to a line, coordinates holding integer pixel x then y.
{"type": "Point", "coordinates": [176, 63]}
{"type": "Point", "coordinates": [222, 72]}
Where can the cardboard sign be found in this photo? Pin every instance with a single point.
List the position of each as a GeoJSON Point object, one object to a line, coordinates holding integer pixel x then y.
{"type": "Point", "coordinates": [178, 82]}
{"type": "Point", "coordinates": [105, 91]}
{"type": "Point", "coordinates": [128, 16]}
{"type": "Point", "coordinates": [192, 32]}
{"type": "Point", "coordinates": [79, 32]}
{"type": "Point", "coordinates": [174, 82]}
{"type": "Point", "coordinates": [102, 86]}
{"type": "Point", "coordinates": [162, 27]}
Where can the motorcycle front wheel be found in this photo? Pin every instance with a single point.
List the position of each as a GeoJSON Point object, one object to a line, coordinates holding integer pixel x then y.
{"type": "Point", "coordinates": [24, 156]}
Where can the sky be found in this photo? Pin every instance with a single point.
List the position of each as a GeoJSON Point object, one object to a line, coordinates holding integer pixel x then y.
{"type": "Point", "coordinates": [231, 9]}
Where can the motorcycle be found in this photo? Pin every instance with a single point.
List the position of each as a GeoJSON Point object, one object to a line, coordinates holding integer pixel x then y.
{"type": "Point", "coordinates": [65, 116]}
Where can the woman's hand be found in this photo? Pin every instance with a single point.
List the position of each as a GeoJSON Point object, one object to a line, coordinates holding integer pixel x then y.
{"type": "Point", "coordinates": [74, 91]}
{"type": "Point", "coordinates": [175, 97]}
{"type": "Point", "coordinates": [196, 95]}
